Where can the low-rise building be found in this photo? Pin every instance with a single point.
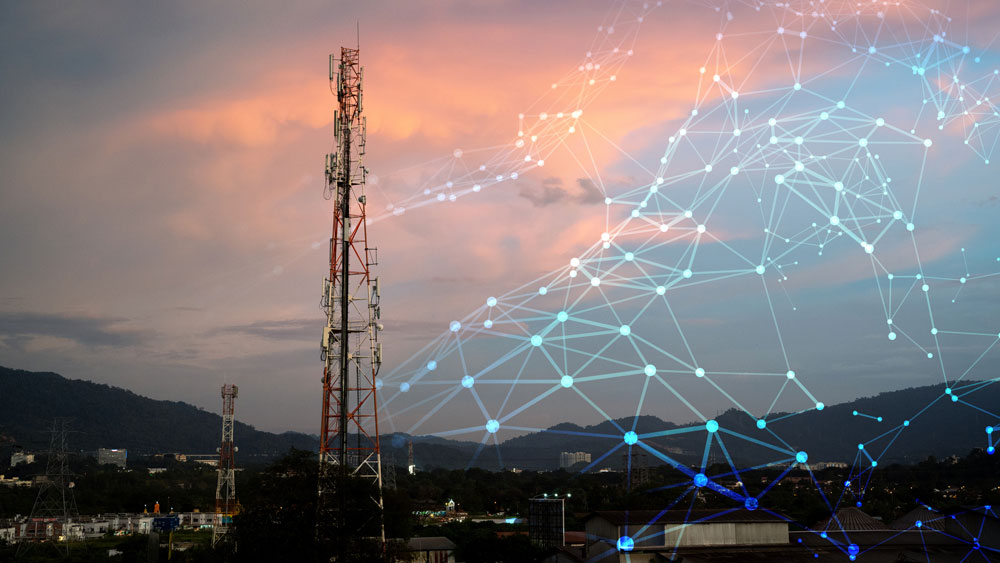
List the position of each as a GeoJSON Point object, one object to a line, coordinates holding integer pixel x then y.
{"type": "Point", "coordinates": [113, 456]}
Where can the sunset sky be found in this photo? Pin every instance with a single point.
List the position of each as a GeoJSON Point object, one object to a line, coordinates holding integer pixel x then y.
{"type": "Point", "coordinates": [162, 175]}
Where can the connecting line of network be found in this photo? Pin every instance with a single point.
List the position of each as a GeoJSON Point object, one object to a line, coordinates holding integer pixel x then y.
{"type": "Point", "coordinates": [765, 178]}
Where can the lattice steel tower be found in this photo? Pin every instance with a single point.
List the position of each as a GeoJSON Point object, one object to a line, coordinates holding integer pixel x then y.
{"type": "Point", "coordinates": [225, 489]}
{"type": "Point", "coordinates": [349, 441]}
{"type": "Point", "coordinates": [55, 506]}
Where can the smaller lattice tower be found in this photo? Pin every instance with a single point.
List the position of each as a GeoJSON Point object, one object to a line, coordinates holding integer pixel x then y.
{"type": "Point", "coordinates": [225, 490]}
{"type": "Point", "coordinates": [411, 467]}
{"type": "Point", "coordinates": [55, 506]}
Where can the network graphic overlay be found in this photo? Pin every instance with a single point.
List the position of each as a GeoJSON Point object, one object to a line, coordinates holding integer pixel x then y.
{"type": "Point", "coordinates": [808, 155]}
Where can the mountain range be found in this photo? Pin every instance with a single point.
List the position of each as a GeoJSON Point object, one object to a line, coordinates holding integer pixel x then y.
{"type": "Point", "coordinates": [105, 416]}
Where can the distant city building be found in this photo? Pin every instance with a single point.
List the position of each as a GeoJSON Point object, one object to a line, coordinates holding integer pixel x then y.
{"type": "Point", "coordinates": [635, 466]}
{"type": "Point", "coordinates": [20, 457]}
{"type": "Point", "coordinates": [107, 456]}
{"type": "Point", "coordinates": [569, 459]}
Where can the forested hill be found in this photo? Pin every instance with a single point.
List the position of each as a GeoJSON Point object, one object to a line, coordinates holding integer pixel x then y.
{"type": "Point", "coordinates": [111, 417]}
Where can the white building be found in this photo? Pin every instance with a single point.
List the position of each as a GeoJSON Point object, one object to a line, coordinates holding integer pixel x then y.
{"type": "Point", "coordinates": [569, 459]}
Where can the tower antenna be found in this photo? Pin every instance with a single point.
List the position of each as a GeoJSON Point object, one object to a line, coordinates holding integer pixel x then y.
{"type": "Point", "coordinates": [225, 489]}
{"type": "Point", "coordinates": [349, 441]}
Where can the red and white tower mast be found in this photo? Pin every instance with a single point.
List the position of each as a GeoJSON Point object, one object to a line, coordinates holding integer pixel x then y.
{"type": "Point", "coordinates": [349, 440]}
{"type": "Point", "coordinates": [225, 489]}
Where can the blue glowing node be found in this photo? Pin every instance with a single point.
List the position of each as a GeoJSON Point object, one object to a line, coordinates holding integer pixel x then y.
{"type": "Point", "coordinates": [379, 384]}
{"type": "Point", "coordinates": [990, 450]}
{"type": "Point", "coordinates": [820, 406]}
{"type": "Point", "coordinates": [468, 382]}
{"type": "Point", "coordinates": [700, 480]}
{"type": "Point", "coordinates": [712, 426]}
{"type": "Point", "coordinates": [491, 302]}
{"type": "Point", "coordinates": [566, 381]}
{"type": "Point", "coordinates": [631, 437]}
{"type": "Point", "coordinates": [687, 273]}
{"type": "Point", "coordinates": [919, 524]}
{"type": "Point", "coordinates": [455, 326]}
{"type": "Point", "coordinates": [989, 429]}
{"type": "Point", "coordinates": [625, 543]}
{"type": "Point", "coordinates": [488, 323]}
{"type": "Point", "coordinates": [853, 549]}
{"type": "Point", "coordinates": [625, 330]}
{"type": "Point", "coordinates": [562, 316]}
{"type": "Point", "coordinates": [892, 336]}
{"type": "Point", "coordinates": [536, 340]}
{"type": "Point", "coordinates": [802, 457]}
{"type": "Point", "coordinates": [790, 374]}
{"type": "Point", "coordinates": [404, 387]}
{"type": "Point", "coordinates": [492, 426]}
{"type": "Point", "coordinates": [432, 365]}
{"type": "Point", "coordinates": [699, 372]}
{"type": "Point", "coordinates": [761, 423]}
{"type": "Point", "coordinates": [760, 269]}
{"type": "Point", "coordinates": [906, 423]}
{"type": "Point", "coordinates": [751, 503]}
{"type": "Point", "coordinates": [650, 370]}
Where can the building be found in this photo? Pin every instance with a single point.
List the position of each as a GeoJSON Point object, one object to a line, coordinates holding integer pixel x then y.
{"type": "Point", "coordinates": [107, 456]}
{"type": "Point", "coordinates": [647, 535]}
{"type": "Point", "coordinates": [432, 550]}
{"type": "Point", "coordinates": [569, 459]}
{"type": "Point", "coordinates": [547, 521]}
{"type": "Point", "coordinates": [19, 457]}
{"type": "Point", "coordinates": [635, 466]}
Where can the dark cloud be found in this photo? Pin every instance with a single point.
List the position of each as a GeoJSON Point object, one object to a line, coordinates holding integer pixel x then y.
{"type": "Point", "coordinates": [551, 191]}
{"type": "Point", "coordinates": [285, 330]}
{"type": "Point", "coordinates": [19, 328]}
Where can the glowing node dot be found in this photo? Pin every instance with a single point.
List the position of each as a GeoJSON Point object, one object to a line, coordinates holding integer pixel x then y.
{"type": "Point", "coordinates": [928, 143]}
{"type": "Point", "coordinates": [404, 387]}
{"type": "Point", "coordinates": [492, 426]}
{"type": "Point", "coordinates": [802, 457]}
{"type": "Point", "coordinates": [700, 228]}
{"type": "Point", "coordinates": [468, 382]}
{"type": "Point", "coordinates": [566, 381]}
{"type": "Point", "coordinates": [989, 429]}
{"type": "Point", "coordinates": [797, 87]}
{"type": "Point", "coordinates": [892, 336]}
{"type": "Point", "coordinates": [874, 463]}
{"type": "Point", "coordinates": [455, 326]}
{"type": "Point", "coordinates": [906, 423]}
{"type": "Point", "coordinates": [625, 543]}
{"type": "Point", "coordinates": [925, 287]}
{"type": "Point", "coordinates": [790, 374]}
{"type": "Point", "coordinates": [839, 186]}
{"type": "Point", "coordinates": [625, 330]}
{"type": "Point", "coordinates": [761, 423]}
{"type": "Point", "coordinates": [595, 281]}
{"type": "Point", "coordinates": [543, 290]}
{"type": "Point", "coordinates": [687, 273]}
{"type": "Point", "coordinates": [910, 226]}
{"type": "Point", "coordinates": [700, 480]}
{"type": "Point", "coordinates": [575, 262]}
{"type": "Point", "coordinates": [562, 316]}
{"type": "Point", "coordinates": [820, 406]}
{"type": "Point", "coordinates": [629, 256]}
{"type": "Point", "coordinates": [660, 290]}
{"type": "Point", "coordinates": [536, 340]}
{"type": "Point", "coordinates": [799, 140]}
{"type": "Point", "coordinates": [734, 170]}
{"type": "Point", "coordinates": [934, 331]}
{"type": "Point", "coordinates": [779, 179]}
{"type": "Point", "coordinates": [880, 122]}
{"type": "Point", "coordinates": [699, 372]}
{"type": "Point", "coordinates": [631, 438]}
{"type": "Point", "coordinates": [751, 503]}
{"type": "Point", "coordinates": [712, 426]}
{"type": "Point", "coordinates": [708, 168]}
{"type": "Point", "coordinates": [897, 215]}
{"type": "Point", "coordinates": [760, 269]}
{"type": "Point", "coordinates": [834, 220]}
{"type": "Point", "coordinates": [824, 116]}
{"type": "Point", "coordinates": [488, 323]}
{"type": "Point", "coordinates": [863, 142]}
{"type": "Point", "coordinates": [432, 365]}
{"type": "Point", "coordinates": [491, 301]}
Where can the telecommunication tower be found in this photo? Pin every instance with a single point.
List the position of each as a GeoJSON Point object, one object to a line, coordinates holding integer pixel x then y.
{"type": "Point", "coordinates": [225, 489]}
{"type": "Point", "coordinates": [55, 506]}
{"type": "Point", "coordinates": [352, 355]}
